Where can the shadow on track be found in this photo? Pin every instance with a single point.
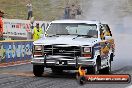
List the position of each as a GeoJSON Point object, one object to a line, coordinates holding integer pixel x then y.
{"type": "Point", "coordinates": [67, 75]}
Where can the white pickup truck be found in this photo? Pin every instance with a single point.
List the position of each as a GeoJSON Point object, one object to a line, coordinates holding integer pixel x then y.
{"type": "Point", "coordinates": [73, 43]}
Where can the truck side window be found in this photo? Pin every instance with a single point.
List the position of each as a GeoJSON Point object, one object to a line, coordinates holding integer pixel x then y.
{"type": "Point", "coordinates": [108, 30]}
{"type": "Point", "coordinates": [102, 33]}
{"type": "Point", "coordinates": [105, 31]}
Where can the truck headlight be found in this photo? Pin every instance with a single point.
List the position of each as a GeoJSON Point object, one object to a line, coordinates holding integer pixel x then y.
{"type": "Point", "coordinates": [37, 47]}
{"type": "Point", "coordinates": [87, 52]}
{"type": "Point", "coordinates": [86, 49]}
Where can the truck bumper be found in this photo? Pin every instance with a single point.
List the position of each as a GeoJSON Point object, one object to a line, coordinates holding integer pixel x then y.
{"type": "Point", "coordinates": [61, 62]}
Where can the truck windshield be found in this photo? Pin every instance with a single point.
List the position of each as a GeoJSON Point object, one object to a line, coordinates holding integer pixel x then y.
{"type": "Point", "coordinates": [80, 29]}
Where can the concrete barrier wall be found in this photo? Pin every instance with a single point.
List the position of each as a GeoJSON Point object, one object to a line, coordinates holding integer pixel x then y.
{"type": "Point", "coordinates": [15, 50]}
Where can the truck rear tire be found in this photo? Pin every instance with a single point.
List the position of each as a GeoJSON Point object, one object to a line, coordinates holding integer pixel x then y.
{"type": "Point", "coordinates": [38, 70]}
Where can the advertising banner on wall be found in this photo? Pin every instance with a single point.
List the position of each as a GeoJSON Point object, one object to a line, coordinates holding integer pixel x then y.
{"type": "Point", "coordinates": [15, 51]}
{"type": "Point", "coordinates": [14, 27]}
{"type": "Point", "coordinates": [20, 28]}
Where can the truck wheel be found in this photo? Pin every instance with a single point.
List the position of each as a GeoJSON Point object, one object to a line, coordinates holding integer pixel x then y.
{"type": "Point", "coordinates": [55, 70]}
{"type": "Point", "coordinates": [38, 70]}
{"type": "Point", "coordinates": [93, 70]}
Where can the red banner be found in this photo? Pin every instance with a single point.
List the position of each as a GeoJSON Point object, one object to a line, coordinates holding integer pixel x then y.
{"type": "Point", "coordinates": [1, 27]}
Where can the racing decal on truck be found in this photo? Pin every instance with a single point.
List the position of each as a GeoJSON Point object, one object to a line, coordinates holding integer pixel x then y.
{"type": "Point", "coordinates": [104, 49]}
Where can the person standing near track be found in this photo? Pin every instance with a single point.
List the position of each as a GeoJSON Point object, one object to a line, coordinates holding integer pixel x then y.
{"type": "Point", "coordinates": [37, 31]}
{"type": "Point", "coordinates": [73, 11]}
{"type": "Point", "coordinates": [30, 12]}
{"type": "Point", "coordinates": [67, 12]}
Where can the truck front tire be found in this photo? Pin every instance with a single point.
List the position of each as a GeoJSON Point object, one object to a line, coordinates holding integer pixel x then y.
{"type": "Point", "coordinates": [38, 70]}
{"type": "Point", "coordinates": [95, 69]}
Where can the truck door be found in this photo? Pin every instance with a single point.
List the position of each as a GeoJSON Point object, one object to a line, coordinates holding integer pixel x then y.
{"type": "Point", "coordinates": [105, 36]}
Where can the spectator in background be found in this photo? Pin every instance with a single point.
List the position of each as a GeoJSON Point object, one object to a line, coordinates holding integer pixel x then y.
{"type": "Point", "coordinates": [30, 12]}
{"type": "Point", "coordinates": [73, 11]}
{"type": "Point", "coordinates": [67, 12]}
{"type": "Point", "coordinates": [79, 12]}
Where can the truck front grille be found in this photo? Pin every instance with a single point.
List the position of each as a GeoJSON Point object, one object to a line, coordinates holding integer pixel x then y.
{"type": "Point", "coordinates": [62, 50]}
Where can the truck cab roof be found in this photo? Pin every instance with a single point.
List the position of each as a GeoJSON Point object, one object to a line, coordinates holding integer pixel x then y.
{"type": "Point", "coordinates": [75, 21]}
